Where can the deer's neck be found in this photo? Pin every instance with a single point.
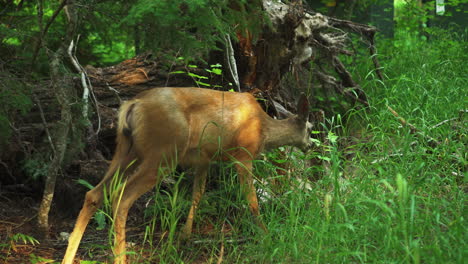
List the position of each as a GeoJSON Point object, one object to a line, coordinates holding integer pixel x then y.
{"type": "Point", "coordinates": [279, 133]}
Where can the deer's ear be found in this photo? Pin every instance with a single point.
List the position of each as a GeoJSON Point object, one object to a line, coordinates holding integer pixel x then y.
{"type": "Point", "coordinates": [303, 107]}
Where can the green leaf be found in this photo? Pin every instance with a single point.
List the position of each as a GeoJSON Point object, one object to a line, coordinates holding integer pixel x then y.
{"type": "Point", "coordinates": [100, 218]}
{"type": "Point", "coordinates": [332, 137]}
{"type": "Point", "coordinates": [217, 71]}
{"type": "Point", "coordinates": [323, 158]}
{"type": "Point", "coordinates": [191, 74]}
{"type": "Point", "coordinates": [85, 183]}
{"type": "Point", "coordinates": [202, 83]}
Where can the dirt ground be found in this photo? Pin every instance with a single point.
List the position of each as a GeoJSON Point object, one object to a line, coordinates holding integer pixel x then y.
{"type": "Point", "coordinates": [18, 218]}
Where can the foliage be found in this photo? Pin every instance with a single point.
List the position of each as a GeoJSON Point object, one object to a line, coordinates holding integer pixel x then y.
{"type": "Point", "coordinates": [39, 260]}
{"type": "Point", "coordinates": [347, 9]}
{"type": "Point", "coordinates": [190, 28]}
{"type": "Point", "coordinates": [414, 17]}
{"type": "Point", "coordinates": [187, 28]}
{"type": "Point", "coordinates": [25, 239]}
{"type": "Point", "coordinates": [16, 239]}
{"type": "Point", "coordinates": [215, 70]}
{"type": "Point", "coordinates": [14, 100]}
{"type": "Point", "coordinates": [35, 167]}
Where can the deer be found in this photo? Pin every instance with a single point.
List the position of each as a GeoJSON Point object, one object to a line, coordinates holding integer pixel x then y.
{"type": "Point", "coordinates": [164, 127]}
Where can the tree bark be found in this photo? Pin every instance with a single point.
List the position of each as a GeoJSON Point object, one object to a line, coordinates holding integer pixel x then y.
{"type": "Point", "coordinates": [63, 88]}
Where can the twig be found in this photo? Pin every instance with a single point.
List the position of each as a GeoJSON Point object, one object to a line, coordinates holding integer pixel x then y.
{"type": "Point", "coordinates": [96, 104]}
{"type": "Point", "coordinates": [8, 171]}
{"type": "Point", "coordinates": [368, 32]}
{"type": "Point", "coordinates": [373, 53]}
{"type": "Point", "coordinates": [231, 62]}
{"type": "Point", "coordinates": [27, 220]}
{"type": "Point", "coordinates": [386, 157]}
{"type": "Point", "coordinates": [9, 223]}
{"type": "Point", "coordinates": [443, 122]}
{"type": "Point", "coordinates": [330, 80]}
{"type": "Point", "coordinates": [348, 81]}
{"type": "Point", "coordinates": [44, 123]}
{"type": "Point", "coordinates": [40, 14]}
{"type": "Point", "coordinates": [221, 250]}
{"type": "Point", "coordinates": [205, 241]}
{"type": "Point", "coordinates": [413, 129]}
{"type": "Point", "coordinates": [433, 142]}
{"type": "Point", "coordinates": [115, 91]}
{"type": "Point", "coordinates": [172, 66]}
{"type": "Point", "coordinates": [83, 80]}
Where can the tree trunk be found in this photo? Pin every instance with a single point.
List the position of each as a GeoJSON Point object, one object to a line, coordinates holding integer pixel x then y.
{"type": "Point", "coordinates": [63, 88]}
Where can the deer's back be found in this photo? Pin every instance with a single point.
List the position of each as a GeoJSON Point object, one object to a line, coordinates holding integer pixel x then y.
{"type": "Point", "coordinates": [196, 123]}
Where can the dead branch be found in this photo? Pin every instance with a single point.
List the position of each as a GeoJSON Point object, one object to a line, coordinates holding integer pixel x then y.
{"type": "Point", "coordinates": [365, 30]}
{"type": "Point", "coordinates": [221, 250]}
{"type": "Point", "coordinates": [84, 83]}
{"type": "Point", "coordinates": [413, 130]}
{"type": "Point", "coordinates": [333, 82]}
{"type": "Point", "coordinates": [443, 122]}
{"type": "Point", "coordinates": [44, 123]}
{"type": "Point", "coordinates": [231, 62]}
{"type": "Point", "coordinates": [373, 53]}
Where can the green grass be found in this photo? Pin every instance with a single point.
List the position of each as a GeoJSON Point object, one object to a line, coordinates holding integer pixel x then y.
{"type": "Point", "coordinates": [388, 196]}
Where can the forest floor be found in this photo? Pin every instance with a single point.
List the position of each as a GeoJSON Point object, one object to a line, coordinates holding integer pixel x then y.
{"type": "Point", "coordinates": [20, 236]}
{"type": "Point", "coordinates": [18, 218]}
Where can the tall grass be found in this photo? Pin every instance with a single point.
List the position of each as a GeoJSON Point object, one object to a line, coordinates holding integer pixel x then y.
{"type": "Point", "coordinates": [399, 199]}
{"type": "Point", "coordinates": [391, 196]}
{"type": "Point", "coordinates": [387, 196]}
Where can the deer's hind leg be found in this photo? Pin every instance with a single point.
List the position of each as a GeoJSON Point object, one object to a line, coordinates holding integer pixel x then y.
{"type": "Point", "coordinates": [92, 202]}
{"type": "Point", "coordinates": [146, 176]}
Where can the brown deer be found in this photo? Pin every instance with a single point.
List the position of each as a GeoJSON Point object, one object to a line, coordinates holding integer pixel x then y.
{"type": "Point", "coordinates": [163, 127]}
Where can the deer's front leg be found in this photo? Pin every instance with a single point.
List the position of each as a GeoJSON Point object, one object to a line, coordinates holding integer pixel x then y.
{"type": "Point", "coordinates": [244, 171]}
{"type": "Point", "coordinates": [199, 183]}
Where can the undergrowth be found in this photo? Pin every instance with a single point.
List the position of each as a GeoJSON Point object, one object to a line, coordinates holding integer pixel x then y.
{"type": "Point", "coordinates": [386, 195]}
{"type": "Point", "coordinates": [389, 195]}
